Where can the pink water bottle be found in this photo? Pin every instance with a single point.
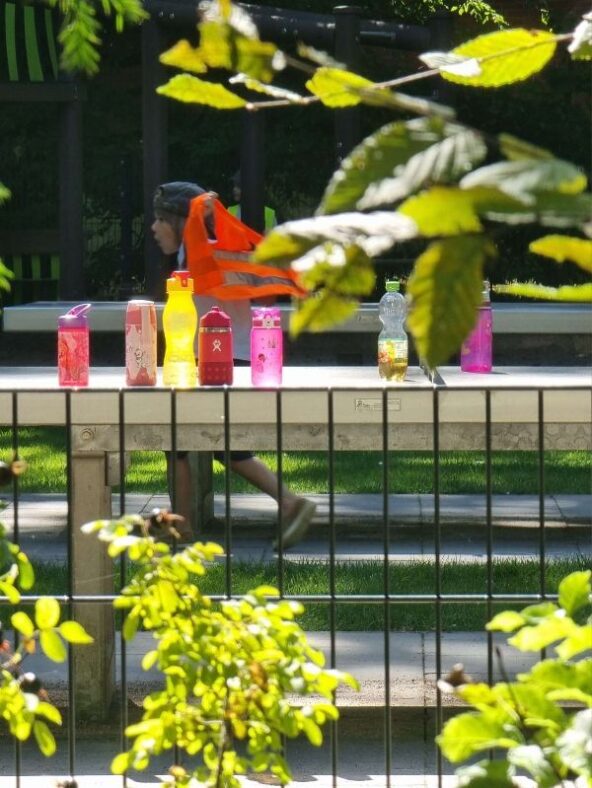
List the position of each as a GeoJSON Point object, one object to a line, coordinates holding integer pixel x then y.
{"type": "Point", "coordinates": [266, 347]}
{"type": "Point", "coordinates": [476, 351]}
{"type": "Point", "coordinates": [73, 347]}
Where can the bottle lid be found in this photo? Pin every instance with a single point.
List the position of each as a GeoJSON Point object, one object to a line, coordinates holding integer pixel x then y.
{"type": "Point", "coordinates": [75, 318]}
{"type": "Point", "coordinates": [215, 318]}
{"type": "Point", "coordinates": [392, 285]}
{"type": "Point", "coordinates": [180, 282]}
{"type": "Point", "coordinates": [267, 317]}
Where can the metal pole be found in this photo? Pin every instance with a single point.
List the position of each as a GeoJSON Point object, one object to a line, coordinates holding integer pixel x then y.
{"type": "Point", "coordinates": [252, 170]}
{"type": "Point", "coordinates": [347, 51]}
{"type": "Point", "coordinates": [125, 193]}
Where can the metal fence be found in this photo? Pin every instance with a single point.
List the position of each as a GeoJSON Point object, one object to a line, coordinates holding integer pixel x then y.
{"type": "Point", "coordinates": [389, 740]}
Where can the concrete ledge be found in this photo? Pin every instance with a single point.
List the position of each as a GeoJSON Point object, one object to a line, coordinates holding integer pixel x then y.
{"type": "Point", "coordinates": [109, 316]}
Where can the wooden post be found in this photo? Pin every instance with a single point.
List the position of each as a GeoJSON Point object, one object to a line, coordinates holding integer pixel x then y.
{"type": "Point", "coordinates": [93, 570]}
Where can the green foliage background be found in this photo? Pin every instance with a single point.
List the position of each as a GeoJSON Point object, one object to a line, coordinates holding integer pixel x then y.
{"type": "Point", "coordinates": [552, 109]}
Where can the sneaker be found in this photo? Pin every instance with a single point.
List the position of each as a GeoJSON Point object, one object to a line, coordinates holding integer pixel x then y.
{"type": "Point", "coordinates": [297, 524]}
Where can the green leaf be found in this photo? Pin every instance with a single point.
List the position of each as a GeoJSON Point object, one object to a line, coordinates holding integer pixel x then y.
{"type": "Point", "coordinates": [4, 193]}
{"type": "Point", "coordinates": [579, 640]}
{"type": "Point", "coordinates": [573, 744]}
{"type": "Point", "coordinates": [580, 47]}
{"type": "Point", "coordinates": [192, 90]}
{"type": "Point", "coordinates": [10, 592]}
{"type": "Point", "coordinates": [312, 731]}
{"type": "Point", "coordinates": [346, 271]}
{"type": "Point", "coordinates": [469, 733]}
{"type": "Point", "coordinates": [562, 248]}
{"type": "Point", "coordinates": [574, 591]}
{"type": "Point", "coordinates": [49, 712]}
{"type": "Point", "coordinates": [381, 155]}
{"type": "Point", "coordinates": [122, 762]}
{"type": "Point", "coordinates": [45, 738]}
{"type": "Point", "coordinates": [478, 695]}
{"type": "Point", "coordinates": [74, 632]}
{"type": "Point", "coordinates": [47, 612]}
{"type": "Point", "coordinates": [21, 622]}
{"type": "Point", "coordinates": [485, 774]}
{"type": "Point", "coordinates": [183, 55]}
{"type": "Point", "coordinates": [532, 758]}
{"type": "Point", "coordinates": [524, 178]}
{"type": "Point", "coordinates": [442, 211]}
{"type": "Point", "coordinates": [321, 311]}
{"type": "Point", "coordinates": [52, 645]}
{"type": "Point", "coordinates": [336, 87]}
{"type": "Point", "coordinates": [375, 233]}
{"type": "Point", "coordinates": [542, 635]}
{"type": "Point", "coordinates": [570, 293]}
{"type": "Point", "coordinates": [445, 291]}
{"type": "Point", "coordinates": [26, 572]}
{"type": "Point", "coordinates": [506, 621]}
{"type": "Point", "coordinates": [503, 57]}
{"type": "Point", "coordinates": [515, 149]}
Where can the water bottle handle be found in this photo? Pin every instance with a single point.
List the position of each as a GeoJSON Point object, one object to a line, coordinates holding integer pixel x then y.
{"type": "Point", "coordinates": [80, 310]}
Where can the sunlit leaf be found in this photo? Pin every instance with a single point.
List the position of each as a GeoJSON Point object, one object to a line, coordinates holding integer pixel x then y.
{"type": "Point", "coordinates": [45, 738]}
{"type": "Point", "coordinates": [469, 733]}
{"type": "Point", "coordinates": [381, 155]}
{"type": "Point", "coordinates": [573, 744]}
{"type": "Point", "coordinates": [506, 621]}
{"type": "Point", "coordinates": [580, 47]}
{"type": "Point", "coordinates": [562, 248]}
{"type": "Point", "coordinates": [121, 763]}
{"type": "Point", "coordinates": [183, 55]}
{"type": "Point", "coordinates": [523, 178]}
{"type": "Point", "coordinates": [451, 63]}
{"type": "Point", "coordinates": [321, 311]}
{"type": "Point", "coordinates": [566, 293]}
{"type": "Point", "coordinates": [486, 774]}
{"type": "Point", "coordinates": [442, 211]}
{"type": "Point", "coordinates": [336, 87]}
{"type": "Point", "coordinates": [578, 641]}
{"type": "Point", "coordinates": [10, 592]}
{"type": "Point", "coordinates": [550, 209]}
{"type": "Point", "coordinates": [4, 193]}
{"type": "Point", "coordinates": [443, 162]}
{"type": "Point", "coordinates": [345, 271]}
{"type": "Point", "coordinates": [52, 645]}
{"type": "Point", "coordinates": [542, 635]}
{"type": "Point", "coordinates": [47, 612]}
{"type": "Point", "coordinates": [74, 632]}
{"type": "Point", "coordinates": [21, 622]}
{"type": "Point", "coordinates": [26, 572]}
{"type": "Point", "coordinates": [318, 57]}
{"type": "Point", "coordinates": [192, 90]}
{"type": "Point", "coordinates": [515, 149]}
{"type": "Point", "coordinates": [257, 59]}
{"type": "Point", "coordinates": [373, 232]}
{"type": "Point", "coordinates": [504, 57]}
{"type": "Point", "coordinates": [532, 758]}
{"type": "Point", "coordinates": [445, 291]}
{"type": "Point", "coordinates": [49, 712]}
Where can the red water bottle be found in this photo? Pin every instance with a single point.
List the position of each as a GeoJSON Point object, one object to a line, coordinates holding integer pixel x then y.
{"type": "Point", "coordinates": [215, 356]}
{"type": "Point", "coordinates": [73, 347]}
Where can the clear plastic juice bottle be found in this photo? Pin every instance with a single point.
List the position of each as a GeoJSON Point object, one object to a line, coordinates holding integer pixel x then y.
{"type": "Point", "coordinates": [393, 345]}
{"type": "Point", "coordinates": [179, 321]}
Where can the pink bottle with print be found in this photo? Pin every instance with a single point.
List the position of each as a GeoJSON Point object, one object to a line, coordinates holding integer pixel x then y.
{"type": "Point", "coordinates": [73, 347]}
{"type": "Point", "coordinates": [267, 347]}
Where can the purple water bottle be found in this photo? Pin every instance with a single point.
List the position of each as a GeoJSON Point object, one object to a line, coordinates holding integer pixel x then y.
{"type": "Point", "coordinates": [476, 351]}
{"type": "Point", "coordinates": [266, 347]}
{"type": "Point", "coordinates": [73, 347]}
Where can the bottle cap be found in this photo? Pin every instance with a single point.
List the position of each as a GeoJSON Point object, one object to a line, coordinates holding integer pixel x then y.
{"type": "Point", "coordinates": [180, 282]}
{"type": "Point", "coordinates": [215, 318]}
{"type": "Point", "coordinates": [392, 285]}
{"type": "Point", "coordinates": [267, 317]}
{"type": "Point", "coordinates": [75, 318]}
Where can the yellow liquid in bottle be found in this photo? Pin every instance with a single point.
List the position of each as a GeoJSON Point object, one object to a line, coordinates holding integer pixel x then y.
{"type": "Point", "coordinates": [179, 321]}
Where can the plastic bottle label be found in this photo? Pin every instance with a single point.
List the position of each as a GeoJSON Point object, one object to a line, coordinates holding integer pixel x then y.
{"type": "Point", "coordinates": [392, 358]}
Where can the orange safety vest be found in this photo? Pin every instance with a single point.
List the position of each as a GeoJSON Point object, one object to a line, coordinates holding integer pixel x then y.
{"type": "Point", "coordinates": [220, 268]}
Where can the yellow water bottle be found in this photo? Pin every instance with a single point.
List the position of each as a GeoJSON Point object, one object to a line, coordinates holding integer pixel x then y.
{"type": "Point", "coordinates": [179, 321]}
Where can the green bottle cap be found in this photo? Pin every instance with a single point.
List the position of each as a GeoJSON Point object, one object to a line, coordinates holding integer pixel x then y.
{"type": "Point", "coordinates": [392, 285]}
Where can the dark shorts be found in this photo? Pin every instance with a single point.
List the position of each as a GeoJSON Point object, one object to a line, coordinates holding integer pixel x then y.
{"type": "Point", "coordinates": [235, 456]}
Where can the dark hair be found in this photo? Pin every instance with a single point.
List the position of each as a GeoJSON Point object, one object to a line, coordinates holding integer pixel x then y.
{"type": "Point", "coordinates": [175, 197]}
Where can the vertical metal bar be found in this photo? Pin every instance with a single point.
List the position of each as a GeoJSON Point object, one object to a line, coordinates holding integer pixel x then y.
{"type": "Point", "coordinates": [227, 517]}
{"type": "Point", "coordinates": [18, 753]}
{"type": "Point", "coordinates": [437, 550]}
{"type": "Point", "coordinates": [280, 475]}
{"type": "Point", "coordinates": [122, 576]}
{"type": "Point", "coordinates": [173, 493]}
{"type": "Point", "coordinates": [332, 575]}
{"type": "Point", "coordinates": [489, 524]}
{"type": "Point", "coordinates": [386, 590]}
{"type": "Point", "coordinates": [71, 663]}
{"type": "Point", "coordinates": [541, 456]}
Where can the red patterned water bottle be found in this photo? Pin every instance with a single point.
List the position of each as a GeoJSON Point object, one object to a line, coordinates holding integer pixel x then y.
{"type": "Point", "coordinates": [140, 343]}
{"type": "Point", "coordinates": [267, 348]}
{"type": "Point", "coordinates": [215, 363]}
{"type": "Point", "coordinates": [73, 347]}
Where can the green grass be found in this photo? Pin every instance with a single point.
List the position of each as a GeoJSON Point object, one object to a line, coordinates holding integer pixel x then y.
{"type": "Point", "coordinates": [567, 472]}
{"type": "Point", "coordinates": [510, 576]}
